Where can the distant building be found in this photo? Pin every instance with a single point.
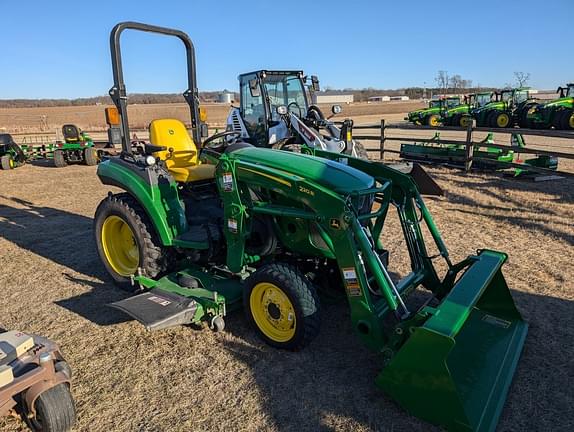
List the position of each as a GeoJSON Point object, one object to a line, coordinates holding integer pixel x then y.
{"type": "Point", "coordinates": [379, 99]}
{"type": "Point", "coordinates": [225, 97]}
{"type": "Point", "coordinates": [327, 97]}
{"type": "Point", "coordinates": [400, 98]}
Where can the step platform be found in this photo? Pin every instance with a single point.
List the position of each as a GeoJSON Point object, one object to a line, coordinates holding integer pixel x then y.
{"type": "Point", "coordinates": [157, 309]}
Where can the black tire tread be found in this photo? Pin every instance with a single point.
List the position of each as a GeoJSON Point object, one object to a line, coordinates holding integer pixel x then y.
{"type": "Point", "coordinates": [90, 156]}
{"type": "Point", "coordinates": [55, 410]}
{"type": "Point", "coordinates": [155, 256]}
{"type": "Point", "coordinates": [302, 294]}
{"type": "Point", "coordinates": [59, 159]}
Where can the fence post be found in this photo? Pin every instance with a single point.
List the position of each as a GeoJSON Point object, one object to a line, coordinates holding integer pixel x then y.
{"type": "Point", "coordinates": [469, 149]}
{"type": "Point", "coordinates": [382, 142]}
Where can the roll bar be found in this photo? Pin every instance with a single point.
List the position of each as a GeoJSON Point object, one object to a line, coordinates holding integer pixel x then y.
{"type": "Point", "coordinates": [118, 91]}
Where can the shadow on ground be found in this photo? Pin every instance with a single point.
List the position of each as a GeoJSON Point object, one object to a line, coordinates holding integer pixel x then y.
{"type": "Point", "coordinates": [333, 378]}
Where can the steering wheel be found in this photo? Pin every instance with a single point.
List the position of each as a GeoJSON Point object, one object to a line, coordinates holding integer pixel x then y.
{"type": "Point", "coordinates": [208, 143]}
{"type": "Point", "coordinates": [295, 104]}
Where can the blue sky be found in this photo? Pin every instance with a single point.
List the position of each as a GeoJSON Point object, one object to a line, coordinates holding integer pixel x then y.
{"type": "Point", "coordinates": [57, 49]}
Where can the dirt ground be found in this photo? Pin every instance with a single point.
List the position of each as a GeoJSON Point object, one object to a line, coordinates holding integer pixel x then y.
{"type": "Point", "coordinates": [185, 378]}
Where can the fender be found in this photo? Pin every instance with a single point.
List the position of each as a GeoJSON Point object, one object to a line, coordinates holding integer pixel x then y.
{"type": "Point", "coordinates": [154, 189]}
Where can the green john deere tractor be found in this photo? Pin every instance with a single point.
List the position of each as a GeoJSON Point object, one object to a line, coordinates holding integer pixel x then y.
{"type": "Point", "coordinates": [461, 115]}
{"type": "Point", "coordinates": [432, 115]}
{"type": "Point", "coordinates": [77, 147]}
{"type": "Point", "coordinates": [558, 113]}
{"type": "Point", "coordinates": [204, 227]}
{"type": "Point", "coordinates": [506, 111]}
{"type": "Point", "coordinates": [11, 154]}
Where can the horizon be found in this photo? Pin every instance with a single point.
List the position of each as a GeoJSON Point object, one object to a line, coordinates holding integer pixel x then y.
{"type": "Point", "coordinates": [351, 50]}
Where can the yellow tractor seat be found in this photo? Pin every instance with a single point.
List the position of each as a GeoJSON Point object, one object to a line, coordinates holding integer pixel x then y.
{"type": "Point", "coordinates": [182, 156]}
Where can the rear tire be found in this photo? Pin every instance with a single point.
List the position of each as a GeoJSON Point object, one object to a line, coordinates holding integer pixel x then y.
{"type": "Point", "coordinates": [55, 410]}
{"type": "Point", "coordinates": [60, 159]}
{"type": "Point", "coordinates": [6, 162]}
{"type": "Point", "coordinates": [282, 305]}
{"type": "Point", "coordinates": [464, 121]}
{"type": "Point", "coordinates": [90, 156]}
{"type": "Point", "coordinates": [120, 259]}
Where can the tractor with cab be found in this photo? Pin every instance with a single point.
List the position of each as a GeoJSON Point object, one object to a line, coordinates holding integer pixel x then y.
{"type": "Point", "coordinates": [461, 115]}
{"type": "Point", "coordinates": [432, 116]}
{"type": "Point", "coordinates": [508, 109]}
{"type": "Point", "coordinates": [557, 113]}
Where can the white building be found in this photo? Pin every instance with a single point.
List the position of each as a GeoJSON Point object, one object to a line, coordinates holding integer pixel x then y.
{"type": "Point", "coordinates": [379, 99]}
{"type": "Point", "coordinates": [400, 98]}
{"type": "Point", "coordinates": [332, 98]}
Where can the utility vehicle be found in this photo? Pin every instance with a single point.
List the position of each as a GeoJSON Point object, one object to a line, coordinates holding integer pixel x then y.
{"type": "Point", "coordinates": [11, 154]}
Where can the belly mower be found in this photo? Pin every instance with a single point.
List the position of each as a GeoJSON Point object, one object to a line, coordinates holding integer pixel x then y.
{"type": "Point", "coordinates": [204, 228]}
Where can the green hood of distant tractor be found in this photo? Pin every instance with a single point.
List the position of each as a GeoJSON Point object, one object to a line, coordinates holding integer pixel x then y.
{"type": "Point", "coordinates": [424, 112]}
{"type": "Point", "coordinates": [567, 102]}
{"type": "Point", "coordinates": [499, 105]}
{"type": "Point", "coordinates": [457, 109]}
{"type": "Point", "coordinates": [336, 176]}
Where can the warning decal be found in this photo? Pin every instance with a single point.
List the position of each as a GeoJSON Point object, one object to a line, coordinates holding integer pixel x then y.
{"type": "Point", "coordinates": [351, 281]}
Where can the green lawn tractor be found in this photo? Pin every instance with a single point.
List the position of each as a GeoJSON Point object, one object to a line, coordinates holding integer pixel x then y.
{"type": "Point", "coordinates": [461, 115]}
{"type": "Point", "coordinates": [77, 147]}
{"type": "Point", "coordinates": [204, 228]}
{"type": "Point", "coordinates": [508, 109]}
{"type": "Point", "coordinates": [11, 154]}
{"type": "Point", "coordinates": [432, 115]}
{"type": "Point", "coordinates": [274, 111]}
{"type": "Point", "coordinates": [558, 113]}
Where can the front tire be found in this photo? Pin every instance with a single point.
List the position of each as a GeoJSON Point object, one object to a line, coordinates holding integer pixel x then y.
{"type": "Point", "coordinates": [433, 120]}
{"type": "Point", "coordinates": [55, 410]}
{"type": "Point", "coordinates": [59, 159]}
{"type": "Point", "coordinates": [567, 120]}
{"type": "Point", "coordinates": [282, 305]}
{"type": "Point", "coordinates": [6, 162]}
{"type": "Point", "coordinates": [127, 241]}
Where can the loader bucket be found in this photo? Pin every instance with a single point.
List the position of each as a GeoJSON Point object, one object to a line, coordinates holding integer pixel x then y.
{"type": "Point", "coordinates": [455, 369]}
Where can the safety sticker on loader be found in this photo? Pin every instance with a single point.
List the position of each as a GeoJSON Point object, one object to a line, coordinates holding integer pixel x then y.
{"type": "Point", "coordinates": [232, 225]}
{"type": "Point", "coordinates": [227, 180]}
{"type": "Point", "coordinates": [353, 287]}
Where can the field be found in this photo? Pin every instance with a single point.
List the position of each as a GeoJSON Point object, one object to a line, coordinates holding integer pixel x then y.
{"type": "Point", "coordinates": [191, 379]}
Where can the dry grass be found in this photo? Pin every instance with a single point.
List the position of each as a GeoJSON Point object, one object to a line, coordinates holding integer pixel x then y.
{"type": "Point", "coordinates": [92, 118]}
{"type": "Point", "coordinates": [186, 378]}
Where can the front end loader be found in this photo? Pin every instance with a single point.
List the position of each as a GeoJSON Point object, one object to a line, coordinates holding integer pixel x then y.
{"type": "Point", "coordinates": [204, 227]}
{"type": "Point", "coordinates": [274, 111]}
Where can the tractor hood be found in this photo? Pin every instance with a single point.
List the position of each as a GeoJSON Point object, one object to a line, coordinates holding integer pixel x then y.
{"type": "Point", "coordinates": [566, 101]}
{"type": "Point", "coordinates": [424, 111]}
{"type": "Point", "coordinates": [499, 105]}
{"type": "Point", "coordinates": [333, 175]}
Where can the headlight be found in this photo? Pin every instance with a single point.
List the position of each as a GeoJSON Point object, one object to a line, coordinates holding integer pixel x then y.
{"type": "Point", "coordinates": [150, 160]}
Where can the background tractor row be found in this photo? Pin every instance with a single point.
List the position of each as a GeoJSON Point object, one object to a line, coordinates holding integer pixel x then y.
{"type": "Point", "coordinates": [206, 226]}
{"type": "Point", "coordinates": [432, 115]}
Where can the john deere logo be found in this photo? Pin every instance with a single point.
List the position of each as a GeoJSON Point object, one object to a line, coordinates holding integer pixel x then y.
{"type": "Point", "coordinates": [335, 224]}
{"type": "Point", "coordinates": [170, 131]}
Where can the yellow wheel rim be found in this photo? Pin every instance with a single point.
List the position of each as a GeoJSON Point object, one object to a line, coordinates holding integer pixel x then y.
{"type": "Point", "coordinates": [11, 163]}
{"type": "Point", "coordinates": [433, 121]}
{"type": "Point", "coordinates": [502, 120]}
{"type": "Point", "coordinates": [571, 121]}
{"type": "Point", "coordinates": [465, 122]}
{"type": "Point", "coordinates": [119, 245]}
{"type": "Point", "coordinates": [273, 312]}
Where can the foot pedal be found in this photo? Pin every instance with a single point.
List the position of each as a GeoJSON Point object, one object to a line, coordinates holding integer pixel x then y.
{"type": "Point", "coordinates": [158, 309]}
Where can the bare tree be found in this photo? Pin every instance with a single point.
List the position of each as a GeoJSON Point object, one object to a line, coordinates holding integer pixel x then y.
{"type": "Point", "coordinates": [522, 78]}
{"type": "Point", "coordinates": [442, 80]}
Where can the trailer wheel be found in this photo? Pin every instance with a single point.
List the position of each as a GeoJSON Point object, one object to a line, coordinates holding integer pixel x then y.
{"type": "Point", "coordinates": [60, 159]}
{"type": "Point", "coordinates": [55, 410]}
{"type": "Point", "coordinates": [282, 305]}
{"type": "Point", "coordinates": [127, 241]}
{"type": "Point", "coordinates": [7, 162]}
{"type": "Point", "coordinates": [90, 156]}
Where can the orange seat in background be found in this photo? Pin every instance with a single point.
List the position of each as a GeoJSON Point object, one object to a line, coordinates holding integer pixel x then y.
{"type": "Point", "coordinates": [183, 163]}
